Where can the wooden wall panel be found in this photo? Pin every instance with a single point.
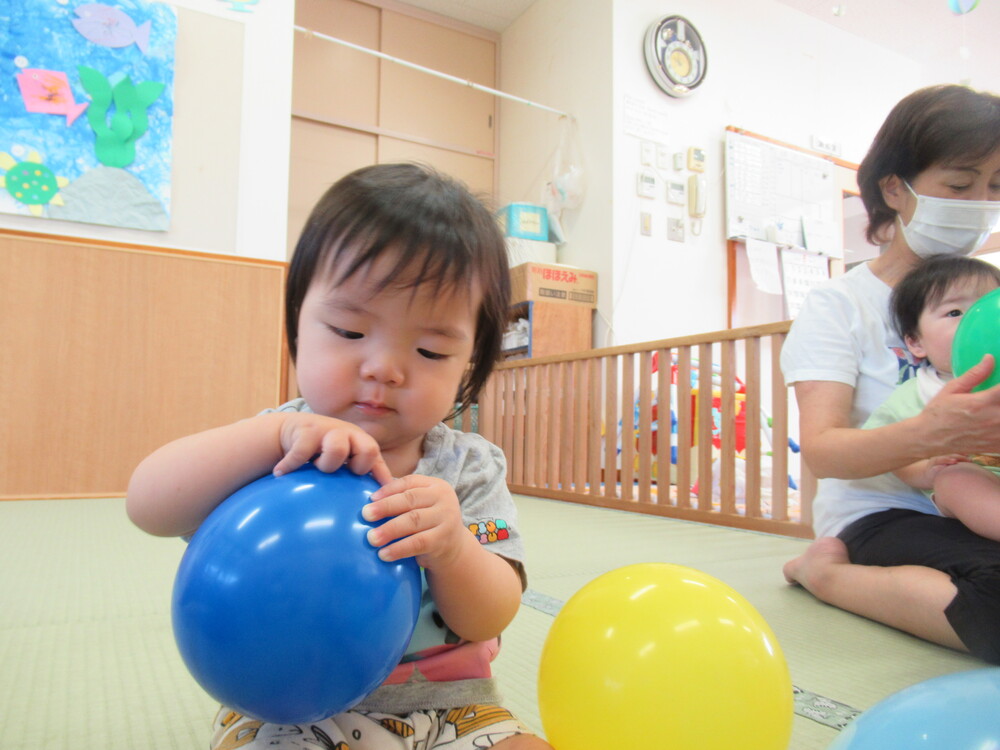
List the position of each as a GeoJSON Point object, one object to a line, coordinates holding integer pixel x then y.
{"type": "Point", "coordinates": [107, 352]}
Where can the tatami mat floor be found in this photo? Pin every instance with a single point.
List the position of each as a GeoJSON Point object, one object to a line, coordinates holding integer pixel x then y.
{"type": "Point", "coordinates": [88, 662]}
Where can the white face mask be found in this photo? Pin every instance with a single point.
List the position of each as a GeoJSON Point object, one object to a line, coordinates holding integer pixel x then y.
{"type": "Point", "coordinates": [949, 226]}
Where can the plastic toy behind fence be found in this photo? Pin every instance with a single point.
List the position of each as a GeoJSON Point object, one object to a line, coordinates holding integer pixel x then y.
{"type": "Point", "coordinates": [716, 395]}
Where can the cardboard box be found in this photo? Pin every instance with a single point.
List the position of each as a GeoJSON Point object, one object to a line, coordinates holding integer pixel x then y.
{"type": "Point", "coordinates": [525, 220]}
{"type": "Point", "coordinates": [545, 282]}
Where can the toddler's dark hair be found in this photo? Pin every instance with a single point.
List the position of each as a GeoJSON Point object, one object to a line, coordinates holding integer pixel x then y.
{"type": "Point", "coordinates": [440, 233]}
{"type": "Point", "coordinates": [926, 283]}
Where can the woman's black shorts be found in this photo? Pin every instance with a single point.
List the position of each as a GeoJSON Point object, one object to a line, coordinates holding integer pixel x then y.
{"type": "Point", "coordinates": [907, 537]}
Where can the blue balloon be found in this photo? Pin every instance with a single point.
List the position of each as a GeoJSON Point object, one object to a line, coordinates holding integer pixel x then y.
{"type": "Point", "coordinates": [961, 7]}
{"type": "Point", "coordinates": [282, 610]}
{"type": "Point", "coordinates": [955, 712]}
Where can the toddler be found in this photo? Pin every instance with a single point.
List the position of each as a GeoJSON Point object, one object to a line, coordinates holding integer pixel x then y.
{"type": "Point", "coordinates": [926, 306]}
{"type": "Point", "coordinates": [396, 302]}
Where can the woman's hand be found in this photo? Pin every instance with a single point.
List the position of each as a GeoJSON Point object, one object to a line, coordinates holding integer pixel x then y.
{"type": "Point", "coordinates": [954, 421]}
{"type": "Point", "coordinates": [959, 421]}
{"type": "Point", "coordinates": [330, 443]}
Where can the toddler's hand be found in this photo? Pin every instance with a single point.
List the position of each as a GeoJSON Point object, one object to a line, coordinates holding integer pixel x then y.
{"type": "Point", "coordinates": [935, 464]}
{"type": "Point", "coordinates": [425, 521]}
{"type": "Point", "coordinates": [330, 443]}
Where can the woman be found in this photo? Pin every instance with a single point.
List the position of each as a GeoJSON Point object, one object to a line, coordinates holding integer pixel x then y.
{"type": "Point", "coordinates": [931, 185]}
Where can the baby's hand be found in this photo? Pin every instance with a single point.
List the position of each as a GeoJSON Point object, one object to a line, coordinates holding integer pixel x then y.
{"type": "Point", "coordinates": [935, 464]}
{"type": "Point", "coordinates": [425, 521]}
{"type": "Point", "coordinates": [330, 443]}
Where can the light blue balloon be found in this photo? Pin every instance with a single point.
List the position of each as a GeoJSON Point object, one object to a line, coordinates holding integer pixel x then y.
{"type": "Point", "coordinates": [955, 712]}
{"type": "Point", "coordinates": [962, 6]}
{"type": "Point", "coordinates": [281, 608]}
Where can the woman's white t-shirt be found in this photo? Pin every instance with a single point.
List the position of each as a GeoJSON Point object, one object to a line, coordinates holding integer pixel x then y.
{"type": "Point", "coordinates": [843, 334]}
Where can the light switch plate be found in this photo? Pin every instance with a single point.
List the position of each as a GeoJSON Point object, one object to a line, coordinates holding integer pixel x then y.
{"type": "Point", "coordinates": [647, 153]}
{"type": "Point", "coordinates": [663, 156]}
{"type": "Point", "coordinates": [675, 230]}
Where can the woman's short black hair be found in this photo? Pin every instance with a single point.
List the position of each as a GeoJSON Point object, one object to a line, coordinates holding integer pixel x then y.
{"type": "Point", "coordinates": [946, 124]}
{"type": "Point", "coordinates": [434, 228]}
{"type": "Point", "coordinates": [926, 283]}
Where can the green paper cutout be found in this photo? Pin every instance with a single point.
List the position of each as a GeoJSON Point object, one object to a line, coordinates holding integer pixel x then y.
{"type": "Point", "coordinates": [31, 183]}
{"type": "Point", "coordinates": [115, 139]}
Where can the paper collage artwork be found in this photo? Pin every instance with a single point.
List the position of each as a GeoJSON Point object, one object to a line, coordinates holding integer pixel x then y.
{"type": "Point", "coordinates": [86, 111]}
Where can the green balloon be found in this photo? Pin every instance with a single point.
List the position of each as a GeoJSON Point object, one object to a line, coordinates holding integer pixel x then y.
{"type": "Point", "coordinates": [978, 333]}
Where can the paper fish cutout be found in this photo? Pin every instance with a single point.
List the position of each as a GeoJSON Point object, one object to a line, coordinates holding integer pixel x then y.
{"type": "Point", "coordinates": [48, 92]}
{"type": "Point", "coordinates": [110, 27]}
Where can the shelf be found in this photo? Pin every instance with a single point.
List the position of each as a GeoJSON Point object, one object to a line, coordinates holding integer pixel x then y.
{"type": "Point", "coordinates": [553, 328]}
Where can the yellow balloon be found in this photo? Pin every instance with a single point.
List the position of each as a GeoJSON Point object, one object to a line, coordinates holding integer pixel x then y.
{"type": "Point", "coordinates": [667, 657]}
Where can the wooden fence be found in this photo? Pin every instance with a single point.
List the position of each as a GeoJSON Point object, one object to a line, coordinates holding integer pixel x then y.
{"type": "Point", "coordinates": [593, 428]}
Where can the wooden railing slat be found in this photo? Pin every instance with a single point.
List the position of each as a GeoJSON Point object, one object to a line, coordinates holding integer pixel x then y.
{"type": "Point", "coordinates": [581, 392]}
{"type": "Point", "coordinates": [533, 427]}
{"type": "Point", "coordinates": [752, 409]}
{"type": "Point", "coordinates": [779, 434]}
{"type": "Point", "coordinates": [645, 426]}
{"type": "Point", "coordinates": [685, 427]}
{"type": "Point", "coordinates": [628, 426]}
{"type": "Point", "coordinates": [727, 428]}
{"type": "Point", "coordinates": [664, 428]}
{"type": "Point", "coordinates": [594, 410]}
{"type": "Point", "coordinates": [610, 426]}
{"type": "Point", "coordinates": [704, 426]}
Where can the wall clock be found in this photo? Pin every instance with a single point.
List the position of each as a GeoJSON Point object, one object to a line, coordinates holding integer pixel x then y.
{"type": "Point", "coordinates": [675, 55]}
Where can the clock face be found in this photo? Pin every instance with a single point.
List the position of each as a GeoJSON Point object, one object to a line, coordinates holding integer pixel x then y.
{"type": "Point", "coordinates": [675, 55]}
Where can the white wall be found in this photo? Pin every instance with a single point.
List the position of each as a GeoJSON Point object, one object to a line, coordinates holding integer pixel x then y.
{"type": "Point", "coordinates": [558, 54]}
{"type": "Point", "coordinates": [772, 70]}
{"type": "Point", "coordinates": [232, 104]}
{"type": "Point", "coordinates": [266, 127]}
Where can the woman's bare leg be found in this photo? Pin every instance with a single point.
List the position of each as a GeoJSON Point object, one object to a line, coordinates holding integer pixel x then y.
{"type": "Point", "coordinates": [911, 598]}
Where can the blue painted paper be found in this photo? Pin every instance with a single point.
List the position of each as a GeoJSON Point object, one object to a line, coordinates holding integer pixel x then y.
{"type": "Point", "coordinates": [129, 44]}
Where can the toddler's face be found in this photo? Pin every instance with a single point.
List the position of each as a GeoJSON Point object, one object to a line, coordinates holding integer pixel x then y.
{"type": "Point", "coordinates": [938, 322]}
{"type": "Point", "coordinates": [389, 361]}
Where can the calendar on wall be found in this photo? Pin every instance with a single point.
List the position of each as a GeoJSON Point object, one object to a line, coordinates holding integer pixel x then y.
{"type": "Point", "coordinates": [800, 272]}
{"type": "Point", "coordinates": [784, 223]}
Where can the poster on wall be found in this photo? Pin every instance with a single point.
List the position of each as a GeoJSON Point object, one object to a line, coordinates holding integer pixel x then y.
{"type": "Point", "coordinates": [86, 111]}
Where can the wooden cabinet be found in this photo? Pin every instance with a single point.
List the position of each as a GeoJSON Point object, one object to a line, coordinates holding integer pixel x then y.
{"type": "Point", "coordinates": [351, 109]}
{"type": "Point", "coordinates": [553, 328]}
{"type": "Point", "coordinates": [429, 108]}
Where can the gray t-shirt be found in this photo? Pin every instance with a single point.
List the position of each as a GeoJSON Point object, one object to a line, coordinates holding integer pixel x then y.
{"type": "Point", "coordinates": [439, 671]}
